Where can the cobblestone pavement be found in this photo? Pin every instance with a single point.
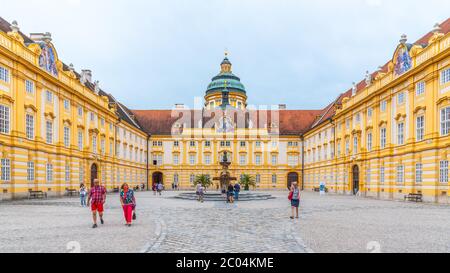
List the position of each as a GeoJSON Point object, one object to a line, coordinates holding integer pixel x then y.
{"type": "Point", "coordinates": [331, 223]}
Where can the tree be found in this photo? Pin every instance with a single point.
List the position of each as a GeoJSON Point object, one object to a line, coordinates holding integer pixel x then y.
{"type": "Point", "coordinates": [203, 179]}
{"type": "Point", "coordinates": [247, 181]}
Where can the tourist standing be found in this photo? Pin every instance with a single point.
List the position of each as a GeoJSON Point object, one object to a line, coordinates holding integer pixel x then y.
{"type": "Point", "coordinates": [230, 193]}
{"type": "Point", "coordinates": [128, 202]}
{"type": "Point", "coordinates": [294, 195]}
{"type": "Point", "coordinates": [201, 193]}
{"type": "Point", "coordinates": [237, 189]}
{"type": "Point", "coordinates": [154, 188]}
{"type": "Point", "coordinates": [97, 198]}
{"type": "Point", "coordinates": [197, 191]}
{"type": "Point", "coordinates": [159, 187]}
{"type": "Point", "coordinates": [83, 193]}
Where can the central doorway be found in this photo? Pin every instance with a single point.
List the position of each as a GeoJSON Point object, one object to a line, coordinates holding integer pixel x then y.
{"type": "Point", "coordinates": [94, 173]}
{"type": "Point", "coordinates": [292, 177]}
{"type": "Point", "coordinates": [355, 175]}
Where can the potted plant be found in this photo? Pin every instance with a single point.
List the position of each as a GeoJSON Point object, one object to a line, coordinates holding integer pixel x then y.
{"type": "Point", "coordinates": [246, 181]}
{"type": "Point", "coordinates": [203, 179]}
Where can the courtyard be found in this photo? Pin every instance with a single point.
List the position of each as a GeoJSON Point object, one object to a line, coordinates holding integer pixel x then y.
{"type": "Point", "coordinates": [331, 223]}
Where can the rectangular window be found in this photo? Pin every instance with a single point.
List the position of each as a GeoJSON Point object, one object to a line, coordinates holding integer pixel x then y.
{"type": "Point", "coordinates": [192, 178]}
{"type": "Point", "coordinates": [382, 174]}
{"type": "Point", "coordinates": [66, 136]}
{"type": "Point", "coordinates": [400, 133]}
{"type": "Point", "coordinates": [400, 174]}
{"type": "Point", "coordinates": [4, 74]}
{"type": "Point", "coordinates": [207, 159]}
{"type": "Point", "coordinates": [6, 169]}
{"type": "Point", "coordinates": [48, 96]}
{"type": "Point", "coordinates": [49, 172]}
{"type": "Point", "coordinates": [92, 116]}
{"type": "Point", "coordinates": [102, 147]}
{"type": "Point", "coordinates": [258, 178]}
{"type": "Point", "coordinates": [80, 111]}
{"type": "Point", "coordinates": [80, 140]}
{"type": "Point", "coordinates": [66, 104]}
{"type": "Point", "coordinates": [445, 76]}
{"type": "Point", "coordinates": [401, 98]}
{"type": "Point", "coordinates": [242, 143]}
{"type": "Point", "coordinates": [176, 159]}
{"type": "Point", "coordinates": [420, 128]}
{"type": "Point", "coordinates": [355, 145]}
{"type": "Point", "coordinates": [192, 159]}
{"type": "Point", "coordinates": [258, 144]}
{"type": "Point", "coordinates": [445, 121]}
{"type": "Point", "coordinates": [443, 171]}
{"type": "Point", "coordinates": [242, 159]}
{"type": "Point", "coordinates": [274, 159]}
{"type": "Point", "coordinates": [383, 106]}
{"type": "Point", "coordinates": [49, 131]}
{"type": "Point", "coordinates": [30, 171]}
{"type": "Point", "coordinates": [383, 138]}
{"type": "Point", "coordinates": [419, 172]}
{"type": "Point", "coordinates": [29, 126]}
{"type": "Point", "coordinates": [369, 112]}
{"type": "Point", "coordinates": [257, 159]}
{"type": "Point", "coordinates": [4, 119]}
{"type": "Point", "coordinates": [94, 144]}
{"type": "Point", "coordinates": [274, 178]}
{"type": "Point", "coordinates": [347, 146]}
{"type": "Point", "coordinates": [176, 143]}
{"type": "Point", "coordinates": [369, 142]}
{"type": "Point", "coordinates": [67, 173]}
{"type": "Point", "coordinates": [420, 88]}
{"type": "Point", "coordinates": [29, 87]}
{"type": "Point", "coordinates": [207, 143]}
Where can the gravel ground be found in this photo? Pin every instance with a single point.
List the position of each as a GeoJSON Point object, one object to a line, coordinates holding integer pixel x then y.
{"type": "Point", "coordinates": [332, 223]}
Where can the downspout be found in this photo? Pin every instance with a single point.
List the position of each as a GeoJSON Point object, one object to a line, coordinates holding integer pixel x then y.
{"type": "Point", "coordinates": [146, 160]}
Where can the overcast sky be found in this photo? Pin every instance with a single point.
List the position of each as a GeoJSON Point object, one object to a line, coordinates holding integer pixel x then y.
{"type": "Point", "coordinates": [153, 54]}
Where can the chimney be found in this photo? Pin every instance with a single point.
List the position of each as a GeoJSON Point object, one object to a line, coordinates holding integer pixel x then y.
{"type": "Point", "coordinates": [282, 106]}
{"type": "Point", "coordinates": [179, 106]}
{"type": "Point", "coordinates": [86, 76]}
{"type": "Point", "coordinates": [41, 37]}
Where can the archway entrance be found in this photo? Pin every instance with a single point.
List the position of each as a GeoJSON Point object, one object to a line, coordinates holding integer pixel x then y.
{"type": "Point", "coordinates": [94, 173]}
{"type": "Point", "coordinates": [292, 177]}
{"type": "Point", "coordinates": [157, 177]}
{"type": "Point", "coordinates": [355, 179]}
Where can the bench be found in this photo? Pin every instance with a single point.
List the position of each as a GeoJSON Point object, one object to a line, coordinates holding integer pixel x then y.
{"type": "Point", "coordinates": [417, 197]}
{"type": "Point", "coordinates": [317, 189]}
{"type": "Point", "coordinates": [37, 194]}
{"type": "Point", "coordinates": [116, 189]}
{"type": "Point", "coordinates": [71, 192]}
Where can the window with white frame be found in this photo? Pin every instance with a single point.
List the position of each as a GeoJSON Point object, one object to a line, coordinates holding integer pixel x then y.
{"type": "Point", "coordinates": [91, 116]}
{"type": "Point", "coordinates": [355, 145]}
{"type": "Point", "coordinates": [48, 96]}
{"type": "Point", "coordinates": [445, 76]}
{"type": "Point", "coordinates": [175, 178]}
{"type": "Point", "coordinates": [176, 143]}
{"type": "Point", "coordinates": [66, 136]}
{"type": "Point", "coordinates": [80, 140]}
{"type": "Point", "coordinates": [6, 169]}
{"type": "Point", "coordinates": [347, 146]}
{"type": "Point", "coordinates": [400, 174]}
{"type": "Point", "coordinates": [29, 126]}
{"type": "Point", "coordinates": [358, 118]}
{"type": "Point", "coordinates": [258, 179]}
{"type": "Point", "coordinates": [443, 171]}
{"type": "Point", "coordinates": [292, 160]}
{"type": "Point", "coordinates": [242, 159]}
{"type": "Point", "coordinates": [420, 88]}
{"type": "Point", "coordinates": [66, 103]}
{"type": "Point", "coordinates": [176, 159]}
{"type": "Point", "coordinates": [192, 143]}
{"type": "Point", "coordinates": [445, 121]}
{"type": "Point", "coordinates": [4, 119]}
{"type": "Point", "coordinates": [369, 112]}
{"type": "Point", "coordinates": [419, 172]}
{"type": "Point", "coordinates": [383, 106]}
{"type": "Point", "coordinates": [102, 147]}
{"type": "Point", "coordinates": [192, 159]}
{"type": "Point", "coordinates": [49, 131]}
{"type": "Point", "coordinates": [339, 148]}
{"type": "Point", "coordinates": [207, 143]}
{"type": "Point", "coordinates": [257, 159]}
{"type": "Point", "coordinates": [274, 159]}
{"type": "Point", "coordinates": [383, 138]}
{"type": "Point", "coordinates": [400, 133]}
{"type": "Point", "coordinates": [207, 159]}
{"type": "Point", "coordinates": [29, 87]}
{"type": "Point", "coordinates": [192, 178]}
{"type": "Point", "coordinates": [257, 144]}
{"type": "Point", "coordinates": [274, 178]}
{"type": "Point", "coordinates": [49, 172]}
{"type": "Point", "coordinates": [368, 175]}
{"type": "Point", "coordinates": [4, 74]}
{"type": "Point", "coordinates": [369, 142]}
{"type": "Point", "coordinates": [242, 143]}
{"type": "Point", "coordinates": [382, 174]}
{"type": "Point", "coordinates": [80, 111]}
{"type": "Point", "coordinates": [401, 98]}
{"type": "Point", "coordinates": [420, 128]}
{"type": "Point", "coordinates": [94, 144]}
{"type": "Point", "coordinates": [67, 173]}
{"type": "Point", "coordinates": [30, 171]}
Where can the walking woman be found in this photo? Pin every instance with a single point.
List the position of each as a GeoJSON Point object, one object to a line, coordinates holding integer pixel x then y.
{"type": "Point", "coordinates": [83, 193]}
{"type": "Point", "coordinates": [294, 196]}
{"type": "Point", "coordinates": [230, 193]}
{"type": "Point", "coordinates": [128, 202]}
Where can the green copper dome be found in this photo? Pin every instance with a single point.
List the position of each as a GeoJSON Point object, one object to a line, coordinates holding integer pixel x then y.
{"type": "Point", "coordinates": [225, 79]}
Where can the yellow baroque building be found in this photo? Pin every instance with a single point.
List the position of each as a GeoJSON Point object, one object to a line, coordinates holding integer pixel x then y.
{"type": "Point", "coordinates": [385, 137]}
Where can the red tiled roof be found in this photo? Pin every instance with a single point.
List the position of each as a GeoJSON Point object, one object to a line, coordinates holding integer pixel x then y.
{"type": "Point", "coordinates": [286, 122]}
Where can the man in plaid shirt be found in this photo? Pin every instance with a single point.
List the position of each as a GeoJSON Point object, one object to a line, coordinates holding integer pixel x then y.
{"type": "Point", "coordinates": [97, 197]}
